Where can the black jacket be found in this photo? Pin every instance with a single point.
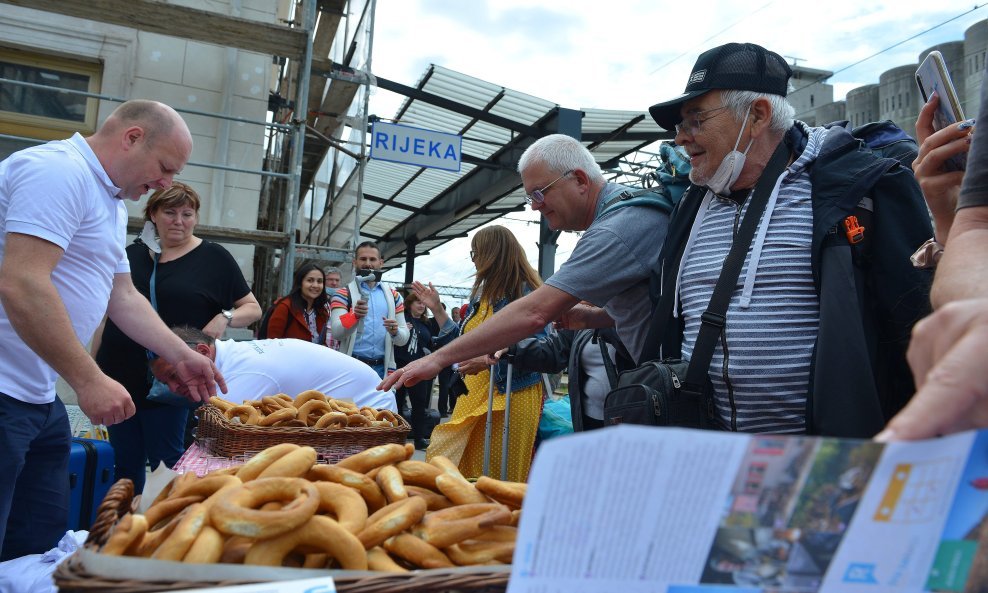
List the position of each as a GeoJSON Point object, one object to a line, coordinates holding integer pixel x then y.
{"type": "Point", "coordinates": [870, 294]}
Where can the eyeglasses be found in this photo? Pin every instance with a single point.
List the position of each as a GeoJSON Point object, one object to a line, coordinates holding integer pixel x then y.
{"type": "Point", "coordinates": [691, 125]}
{"type": "Point", "coordinates": [537, 197]}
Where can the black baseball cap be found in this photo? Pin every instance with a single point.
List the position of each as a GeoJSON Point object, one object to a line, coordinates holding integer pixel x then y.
{"type": "Point", "coordinates": [738, 66]}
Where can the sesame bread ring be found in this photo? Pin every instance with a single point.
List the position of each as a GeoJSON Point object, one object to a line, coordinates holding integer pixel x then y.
{"type": "Point", "coordinates": [277, 416]}
{"type": "Point", "coordinates": [366, 487]}
{"type": "Point", "coordinates": [207, 549]}
{"type": "Point", "coordinates": [412, 549]}
{"type": "Point", "coordinates": [256, 464]}
{"type": "Point", "coordinates": [246, 414]}
{"type": "Point", "coordinates": [332, 420]}
{"type": "Point", "coordinates": [389, 479]}
{"type": "Point", "coordinates": [377, 456]}
{"type": "Point", "coordinates": [126, 536]}
{"type": "Point", "coordinates": [295, 464]}
{"type": "Point", "coordinates": [237, 510]}
{"type": "Point", "coordinates": [379, 560]}
{"type": "Point", "coordinates": [392, 520]}
{"type": "Point", "coordinates": [319, 532]}
{"type": "Point", "coordinates": [346, 505]}
{"type": "Point", "coordinates": [509, 493]}
{"type": "Point", "coordinates": [307, 396]}
{"type": "Point", "coordinates": [181, 539]}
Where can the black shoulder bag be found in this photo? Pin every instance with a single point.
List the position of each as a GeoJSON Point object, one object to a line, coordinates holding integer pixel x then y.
{"type": "Point", "coordinates": [674, 392]}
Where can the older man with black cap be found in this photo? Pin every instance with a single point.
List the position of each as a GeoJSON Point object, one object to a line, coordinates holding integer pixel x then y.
{"type": "Point", "coordinates": [818, 323]}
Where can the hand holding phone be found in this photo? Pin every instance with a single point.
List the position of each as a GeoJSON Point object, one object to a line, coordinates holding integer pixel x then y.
{"type": "Point", "coordinates": [932, 77]}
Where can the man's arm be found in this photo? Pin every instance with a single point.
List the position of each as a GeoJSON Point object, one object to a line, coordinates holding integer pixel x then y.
{"type": "Point", "coordinates": [585, 316]}
{"type": "Point", "coordinates": [963, 270]}
{"type": "Point", "coordinates": [39, 317]}
{"type": "Point", "coordinates": [135, 317]}
{"type": "Point", "coordinates": [518, 320]}
{"type": "Point", "coordinates": [342, 320]}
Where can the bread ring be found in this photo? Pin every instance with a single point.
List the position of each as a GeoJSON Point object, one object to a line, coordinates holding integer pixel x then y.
{"type": "Point", "coordinates": [153, 539]}
{"type": "Point", "coordinates": [346, 504]}
{"type": "Point", "coordinates": [515, 518]}
{"type": "Point", "coordinates": [246, 414]}
{"type": "Point", "coordinates": [181, 539]}
{"type": "Point", "coordinates": [273, 403]}
{"type": "Point", "coordinates": [344, 406]}
{"type": "Point", "coordinates": [319, 532]}
{"type": "Point", "coordinates": [377, 456]}
{"type": "Point", "coordinates": [388, 416]}
{"type": "Point", "coordinates": [307, 396]}
{"type": "Point", "coordinates": [378, 559]}
{"type": "Point", "coordinates": [446, 533]}
{"type": "Point", "coordinates": [366, 487]}
{"type": "Point", "coordinates": [311, 407]}
{"type": "Point", "coordinates": [221, 404]}
{"type": "Point", "coordinates": [316, 560]}
{"type": "Point", "coordinates": [392, 520]}
{"type": "Point", "coordinates": [168, 508]}
{"type": "Point", "coordinates": [389, 479]}
{"type": "Point", "coordinates": [419, 473]}
{"type": "Point", "coordinates": [277, 416]}
{"type": "Point", "coordinates": [286, 399]}
{"type": "Point", "coordinates": [368, 412]}
{"type": "Point", "coordinates": [357, 420]}
{"type": "Point", "coordinates": [291, 422]}
{"type": "Point", "coordinates": [332, 420]}
{"type": "Point", "coordinates": [461, 511]}
{"type": "Point", "coordinates": [433, 499]}
{"type": "Point", "coordinates": [236, 512]}
{"type": "Point", "coordinates": [472, 552]}
{"type": "Point", "coordinates": [416, 551]}
{"type": "Point", "coordinates": [256, 464]}
{"type": "Point", "coordinates": [206, 486]}
{"type": "Point", "coordinates": [235, 549]}
{"type": "Point", "coordinates": [509, 493]}
{"type": "Point", "coordinates": [207, 549]}
{"type": "Point", "coordinates": [295, 464]}
{"type": "Point", "coordinates": [497, 533]}
{"type": "Point", "coordinates": [126, 536]}
{"type": "Point", "coordinates": [459, 490]}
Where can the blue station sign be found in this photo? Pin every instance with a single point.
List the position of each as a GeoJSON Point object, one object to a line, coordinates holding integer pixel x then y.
{"type": "Point", "coordinates": [415, 146]}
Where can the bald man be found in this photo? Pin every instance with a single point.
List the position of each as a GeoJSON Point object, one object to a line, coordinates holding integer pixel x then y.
{"type": "Point", "coordinates": [62, 266]}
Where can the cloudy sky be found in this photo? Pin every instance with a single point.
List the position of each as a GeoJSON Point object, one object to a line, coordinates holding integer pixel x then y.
{"type": "Point", "coordinates": [628, 54]}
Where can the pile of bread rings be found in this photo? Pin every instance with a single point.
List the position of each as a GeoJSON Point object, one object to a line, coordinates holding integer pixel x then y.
{"type": "Point", "coordinates": [310, 408]}
{"type": "Point", "coordinates": [375, 510]}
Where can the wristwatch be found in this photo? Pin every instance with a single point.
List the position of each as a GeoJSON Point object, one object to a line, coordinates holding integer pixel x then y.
{"type": "Point", "coordinates": [228, 313]}
{"type": "Point", "coordinates": [927, 255]}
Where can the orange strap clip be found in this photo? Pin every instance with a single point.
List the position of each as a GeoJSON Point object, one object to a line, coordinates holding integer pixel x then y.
{"type": "Point", "coordinates": [853, 230]}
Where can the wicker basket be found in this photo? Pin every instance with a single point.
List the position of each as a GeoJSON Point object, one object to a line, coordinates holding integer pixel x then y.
{"type": "Point", "coordinates": [230, 439]}
{"type": "Point", "coordinates": [71, 575]}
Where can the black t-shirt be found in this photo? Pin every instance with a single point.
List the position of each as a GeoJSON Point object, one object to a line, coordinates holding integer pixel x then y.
{"type": "Point", "coordinates": [191, 290]}
{"type": "Point", "coordinates": [419, 339]}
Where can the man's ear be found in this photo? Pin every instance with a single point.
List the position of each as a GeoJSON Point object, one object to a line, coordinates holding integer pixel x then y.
{"type": "Point", "coordinates": [204, 350]}
{"type": "Point", "coordinates": [132, 136]}
{"type": "Point", "coordinates": [761, 116]}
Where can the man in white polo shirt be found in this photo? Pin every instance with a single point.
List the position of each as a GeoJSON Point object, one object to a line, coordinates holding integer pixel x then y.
{"type": "Point", "coordinates": [256, 368]}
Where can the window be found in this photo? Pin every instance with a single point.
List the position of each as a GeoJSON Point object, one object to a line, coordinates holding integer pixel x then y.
{"type": "Point", "coordinates": [40, 113]}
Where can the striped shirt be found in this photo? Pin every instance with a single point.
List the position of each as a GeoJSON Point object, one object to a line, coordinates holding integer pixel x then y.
{"type": "Point", "coordinates": [770, 343]}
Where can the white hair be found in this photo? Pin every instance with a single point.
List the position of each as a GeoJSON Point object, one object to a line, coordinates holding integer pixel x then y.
{"type": "Point", "coordinates": [561, 153]}
{"type": "Point", "coordinates": [782, 111]}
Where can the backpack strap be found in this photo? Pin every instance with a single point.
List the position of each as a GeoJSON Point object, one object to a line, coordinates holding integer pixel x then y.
{"type": "Point", "coordinates": [654, 197]}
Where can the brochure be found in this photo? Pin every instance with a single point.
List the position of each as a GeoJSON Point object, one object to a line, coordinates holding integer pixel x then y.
{"type": "Point", "coordinates": [634, 508]}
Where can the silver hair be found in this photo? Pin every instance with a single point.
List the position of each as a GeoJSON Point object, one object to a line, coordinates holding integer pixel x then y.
{"type": "Point", "coordinates": [561, 153]}
{"type": "Point", "coordinates": [332, 270]}
{"type": "Point", "coordinates": [782, 111]}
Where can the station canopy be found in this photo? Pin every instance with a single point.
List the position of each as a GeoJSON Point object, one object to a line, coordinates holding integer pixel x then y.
{"type": "Point", "coordinates": [411, 210]}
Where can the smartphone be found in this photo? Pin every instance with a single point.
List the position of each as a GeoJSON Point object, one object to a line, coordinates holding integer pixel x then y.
{"type": "Point", "coordinates": [932, 76]}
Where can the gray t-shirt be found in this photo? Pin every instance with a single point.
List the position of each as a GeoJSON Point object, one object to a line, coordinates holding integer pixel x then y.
{"type": "Point", "coordinates": [974, 190]}
{"type": "Point", "coordinates": [611, 265]}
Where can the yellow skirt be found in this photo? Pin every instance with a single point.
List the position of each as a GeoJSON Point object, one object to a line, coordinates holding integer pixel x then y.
{"type": "Point", "coordinates": [461, 439]}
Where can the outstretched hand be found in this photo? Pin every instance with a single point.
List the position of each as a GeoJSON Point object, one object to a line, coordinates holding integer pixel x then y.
{"type": "Point", "coordinates": [427, 294]}
{"type": "Point", "coordinates": [422, 369]}
{"type": "Point", "coordinates": [198, 377]}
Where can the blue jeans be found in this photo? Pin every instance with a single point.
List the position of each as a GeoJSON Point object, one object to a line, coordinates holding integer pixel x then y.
{"type": "Point", "coordinates": [152, 435]}
{"type": "Point", "coordinates": [34, 476]}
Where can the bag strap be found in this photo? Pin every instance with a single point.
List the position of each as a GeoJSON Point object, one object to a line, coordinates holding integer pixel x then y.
{"type": "Point", "coordinates": [605, 355]}
{"type": "Point", "coordinates": [712, 320]}
{"type": "Point", "coordinates": [154, 274]}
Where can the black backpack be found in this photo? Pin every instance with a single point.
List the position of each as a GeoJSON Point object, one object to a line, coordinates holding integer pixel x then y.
{"type": "Point", "coordinates": [262, 326]}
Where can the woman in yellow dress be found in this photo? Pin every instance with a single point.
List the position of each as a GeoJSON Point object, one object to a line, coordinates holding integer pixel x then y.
{"type": "Point", "coordinates": [503, 275]}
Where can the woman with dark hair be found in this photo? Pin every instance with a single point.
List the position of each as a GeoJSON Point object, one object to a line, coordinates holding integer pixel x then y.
{"type": "Point", "coordinates": [503, 275]}
{"type": "Point", "coordinates": [196, 283]}
{"type": "Point", "coordinates": [425, 335]}
{"type": "Point", "coordinates": [304, 312]}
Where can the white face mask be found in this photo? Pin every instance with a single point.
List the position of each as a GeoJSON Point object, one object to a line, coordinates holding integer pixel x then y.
{"type": "Point", "coordinates": [730, 168]}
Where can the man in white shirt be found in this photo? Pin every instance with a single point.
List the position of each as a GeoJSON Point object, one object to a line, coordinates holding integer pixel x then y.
{"type": "Point", "coordinates": [257, 368]}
